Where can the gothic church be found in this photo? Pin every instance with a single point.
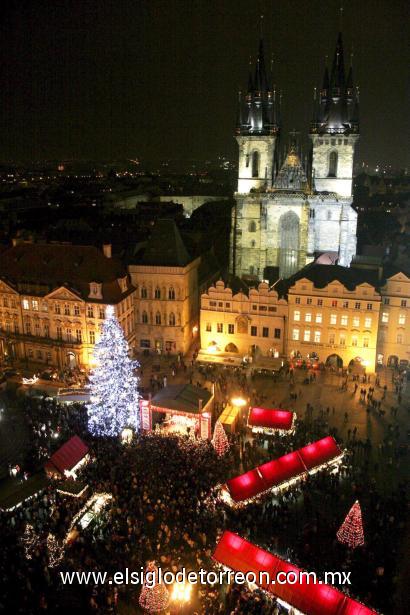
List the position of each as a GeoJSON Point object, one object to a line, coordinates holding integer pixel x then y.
{"type": "Point", "coordinates": [288, 212]}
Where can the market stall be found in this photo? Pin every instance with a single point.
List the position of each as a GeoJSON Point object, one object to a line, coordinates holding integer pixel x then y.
{"type": "Point", "coordinates": [229, 418]}
{"type": "Point", "coordinates": [283, 472]}
{"type": "Point", "coordinates": [67, 459]}
{"type": "Point", "coordinates": [271, 421]}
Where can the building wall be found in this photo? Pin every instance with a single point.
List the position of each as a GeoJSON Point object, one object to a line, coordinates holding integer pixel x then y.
{"type": "Point", "coordinates": [190, 203]}
{"type": "Point", "coordinates": [393, 343]}
{"type": "Point", "coordinates": [265, 146]}
{"type": "Point", "coordinates": [254, 324]}
{"type": "Point", "coordinates": [333, 321]}
{"type": "Point", "coordinates": [166, 295]}
{"type": "Point", "coordinates": [323, 145]}
{"type": "Point", "coordinates": [59, 329]}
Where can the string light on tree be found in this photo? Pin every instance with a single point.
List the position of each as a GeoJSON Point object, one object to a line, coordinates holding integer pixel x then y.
{"type": "Point", "coordinates": [113, 386]}
{"type": "Point", "coordinates": [154, 596]}
{"type": "Point", "coordinates": [220, 441]}
{"type": "Point", "coordinates": [350, 532]}
{"type": "Point", "coordinates": [55, 550]}
{"type": "Point", "coordinates": [29, 540]}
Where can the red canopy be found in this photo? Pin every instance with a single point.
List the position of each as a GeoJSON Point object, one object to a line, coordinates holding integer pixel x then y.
{"type": "Point", "coordinates": [271, 419]}
{"type": "Point", "coordinates": [278, 471]}
{"type": "Point", "coordinates": [67, 456]}
{"type": "Point", "coordinates": [240, 555]}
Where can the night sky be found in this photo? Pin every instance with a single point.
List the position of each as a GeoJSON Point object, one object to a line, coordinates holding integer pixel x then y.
{"type": "Point", "coordinates": [105, 79]}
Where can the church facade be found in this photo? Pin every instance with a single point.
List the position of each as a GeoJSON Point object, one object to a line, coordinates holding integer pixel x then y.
{"type": "Point", "coordinates": [289, 212]}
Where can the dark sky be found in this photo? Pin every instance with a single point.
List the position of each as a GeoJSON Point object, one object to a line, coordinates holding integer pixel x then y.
{"type": "Point", "coordinates": [158, 79]}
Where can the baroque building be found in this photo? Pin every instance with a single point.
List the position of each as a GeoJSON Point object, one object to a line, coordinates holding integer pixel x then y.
{"type": "Point", "coordinates": [288, 212]}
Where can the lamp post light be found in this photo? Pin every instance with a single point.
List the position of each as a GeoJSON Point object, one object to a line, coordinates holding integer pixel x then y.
{"type": "Point", "coordinates": [181, 594]}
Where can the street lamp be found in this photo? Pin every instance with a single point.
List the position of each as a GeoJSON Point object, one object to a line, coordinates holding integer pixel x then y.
{"type": "Point", "coordinates": [238, 401]}
{"type": "Point", "coordinates": [181, 594]}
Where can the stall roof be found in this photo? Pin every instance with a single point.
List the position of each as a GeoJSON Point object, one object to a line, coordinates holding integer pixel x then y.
{"type": "Point", "coordinates": [285, 468]}
{"type": "Point", "coordinates": [67, 456]}
{"type": "Point", "coordinates": [240, 555]}
{"type": "Point", "coordinates": [183, 397]}
{"type": "Point", "coordinates": [270, 418]}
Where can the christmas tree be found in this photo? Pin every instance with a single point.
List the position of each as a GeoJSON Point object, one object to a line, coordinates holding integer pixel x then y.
{"type": "Point", "coordinates": [220, 441]}
{"type": "Point", "coordinates": [350, 532]}
{"type": "Point", "coordinates": [113, 387]}
{"type": "Point", "coordinates": [29, 541]}
{"type": "Point", "coordinates": [154, 596]}
{"type": "Point", "coordinates": [55, 550]}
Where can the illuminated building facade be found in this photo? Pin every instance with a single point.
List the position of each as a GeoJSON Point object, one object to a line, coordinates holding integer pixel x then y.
{"type": "Point", "coordinates": [393, 344]}
{"type": "Point", "coordinates": [287, 212]}
{"type": "Point", "coordinates": [53, 299]}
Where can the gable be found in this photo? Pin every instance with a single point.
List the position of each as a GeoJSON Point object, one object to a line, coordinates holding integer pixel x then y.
{"type": "Point", "coordinates": [6, 288]}
{"type": "Point", "coordinates": [63, 294]}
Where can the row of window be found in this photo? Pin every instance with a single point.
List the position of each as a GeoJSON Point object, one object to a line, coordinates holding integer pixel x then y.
{"type": "Point", "coordinates": [39, 355]}
{"type": "Point", "coordinates": [316, 337]}
{"type": "Point", "coordinates": [255, 307]}
{"type": "Point", "coordinates": [159, 320]}
{"type": "Point", "coordinates": [344, 319]}
{"type": "Point", "coordinates": [66, 309]}
{"type": "Point", "coordinates": [403, 302]}
{"type": "Point", "coordinates": [230, 329]}
{"type": "Point", "coordinates": [401, 319]}
{"type": "Point", "coordinates": [335, 303]}
{"type": "Point", "coordinates": [157, 293]}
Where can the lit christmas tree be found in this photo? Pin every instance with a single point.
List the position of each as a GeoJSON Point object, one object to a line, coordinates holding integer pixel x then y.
{"type": "Point", "coordinates": [153, 598]}
{"type": "Point", "coordinates": [55, 550]}
{"type": "Point", "coordinates": [113, 387]}
{"type": "Point", "coordinates": [220, 441]}
{"type": "Point", "coordinates": [350, 532]}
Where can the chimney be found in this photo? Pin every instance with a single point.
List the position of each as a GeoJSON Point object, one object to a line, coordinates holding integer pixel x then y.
{"type": "Point", "coordinates": [107, 249]}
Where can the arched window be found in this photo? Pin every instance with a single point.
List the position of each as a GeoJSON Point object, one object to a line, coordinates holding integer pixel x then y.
{"type": "Point", "coordinates": [171, 293]}
{"type": "Point", "coordinates": [157, 318]}
{"type": "Point", "coordinates": [144, 317]}
{"type": "Point", "coordinates": [157, 293]}
{"type": "Point", "coordinates": [251, 270]}
{"type": "Point", "coordinates": [172, 319]}
{"type": "Point", "coordinates": [332, 164]}
{"type": "Point", "coordinates": [252, 226]}
{"type": "Point", "coordinates": [255, 164]}
{"type": "Point", "coordinates": [144, 293]}
{"type": "Point", "coordinates": [253, 243]}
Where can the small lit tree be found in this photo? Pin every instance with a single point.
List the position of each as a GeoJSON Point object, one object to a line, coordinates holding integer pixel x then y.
{"type": "Point", "coordinates": [29, 541]}
{"type": "Point", "coordinates": [113, 387]}
{"type": "Point", "coordinates": [154, 596]}
{"type": "Point", "coordinates": [220, 440]}
{"type": "Point", "coordinates": [350, 532]}
{"type": "Point", "coordinates": [55, 550]}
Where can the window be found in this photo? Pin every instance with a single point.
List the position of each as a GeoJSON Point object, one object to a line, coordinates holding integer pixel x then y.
{"type": "Point", "coordinates": [402, 319]}
{"type": "Point", "coordinates": [212, 303]}
{"type": "Point", "coordinates": [172, 319]}
{"type": "Point", "coordinates": [255, 164]}
{"type": "Point", "coordinates": [356, 321]}
{"type": "Point", "coordinates": [59, 333]}
{"type": "Point", "coordinates": [403, 303]}
{"type": "Point", "coordinates": [220, 304]}
{"type": "Point", "coordinates": [92, 337]}
{"type": "Point", "coordinates": [144, 293]}
{"type": "Point", "coordinates": [272, 309]}
{"type": "Point", "coordinates": [399, 338]}
{"type": "Point", "coordinates": [343, 320]}
{"type": "Point", "coordinates": [13, 303]}
{"type": "Point", "coordinates": [254, 331]}
{"type": "Point", "coordinates": [16, 328]}
{"type": "Point", "coordinates": [219, 327]}
{"type": "Point", "coordinates": [306, 335]}
{"type": "Point", "coordinates": [37, 329]}
{"type": "Point", "coordinates": [265, 331]}
{"type": "Point", "coordinates": [343, 340]}
{"type": "Point", "coordinates": [145, 343]}
{"type": "Point", "coordinates": [367, 322]}
{"type": "Point", "coordinates": [295, 334]}
{"type": "Point", "coordinates": [317, 336]}
{"type": "Point", "coordinates": [332, 164]}
{"type": "Point", "coordinates": [308, 317]}
{"type": "Point", "coordinates": [76, 310]}
{"type": "Point", "coordinates": [357, 305]}
{"type": "Point", "coordinates": [46, 330]}
{"type": "Point", "coordinates": [48, 356]}
{"type": "Point", "coordinates": [28, 327]}
{"type": "Point", "coordinates": [66, 309]}
{"type": "Point", "coordinates": [227, 305]}
{"type": "Point", "coordinates": [231, 329]}
{"type": "Point", "coordinates": [171, 293]}
{"type": "Point", "coordinates": [68, 335]}
{"type": "Point", "coordinates": [331, 338]}
{"type": "Point", "coordinates": [144, 318]}
{"type": "Point", "coordinates": [354, 340]}
{"type": "Point", "coordinates": [309, 301]}
{"type": "Point", "coordinates": [334, 302]}
{"type": "Point", "coordinates": [296, 315]}
{"type": "Point", "coordinates": [90, 311]}
{"type": "Point", "coordinates": [101, 313]}
{"type": "Point", "coordinates": [365, 342]}
{"type": "Point", "coordinates": [157, 293]}
{"type": "Point", "coordinates": [30, 353]}
{"type": "Point", "coordinates": [57, 309]}
{"type": "Point", "coordinates": [319, 317]}
{"type": "Point", "coordinates": [26, 305]}
{"type": "Point", "coordinates": [34, 305]}
{"type": "Point", "coordinates": [252, 226]}
{"type": "Point", "coordinates": [333, 319]}
{"type": "Point", "coordinates": [311, 213]}
{"type": "Point", "coordinates": [277, 334]}
{"type": "Point", "coordinates": [386, 301]}
{"type": "Point", "coordinates": [320, 302]}
{"type": "Point", "coordinates": [329, 215]}
{"type": "Point", "coordinates": [263, 308]}
{"type": "Point", "coordinates": [370, 306]}
{"type": "Point", "coordinates": [79, 336]}
{"type": "Point", "coordinates": [157, 318]}
{"type": "Point", "coordinates": [385, 317]}
{"type": "Point", "coordinates": [208, 327]}
{"type": "Point", "coordinates": [5, 302]}
{"type": "Point", "coordinates": [345, 305]}
{"type": "Point", "coordinates": [297, 300]}
{"type": "Point", "coordinates": [254, 307]}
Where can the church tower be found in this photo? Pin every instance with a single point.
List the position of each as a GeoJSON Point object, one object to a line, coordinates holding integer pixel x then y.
{"type": "Point", "coordinates": [257, 130]}
{"type": "Point", "coordinates": [335, 129]}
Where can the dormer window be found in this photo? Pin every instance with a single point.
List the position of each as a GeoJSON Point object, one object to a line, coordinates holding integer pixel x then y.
{"type": "Point", "coordinates": [95, 290]}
